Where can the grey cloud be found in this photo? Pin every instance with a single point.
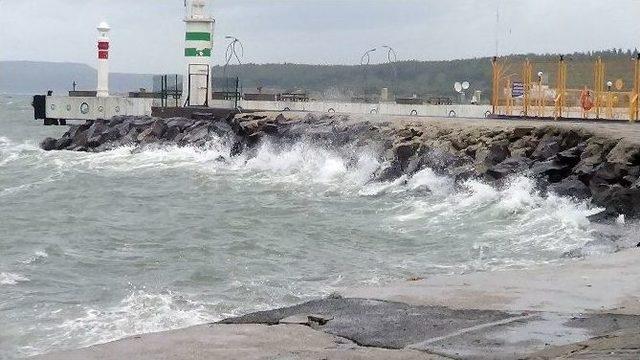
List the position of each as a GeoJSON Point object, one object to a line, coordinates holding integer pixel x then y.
{"type": "Point", "coordinates": [147, 34]}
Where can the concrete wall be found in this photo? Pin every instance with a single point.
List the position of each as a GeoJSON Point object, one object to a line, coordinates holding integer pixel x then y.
{"type": "Point", "coordinates": [471, 111]}
{"type": "Point", "coordinates": [92, 108]}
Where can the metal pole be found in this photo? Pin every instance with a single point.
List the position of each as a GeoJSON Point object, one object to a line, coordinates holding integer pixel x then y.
{"type": "Point", "coordinates": [366, 57]}
{"type": "Point", "coordinates": [392, 58]}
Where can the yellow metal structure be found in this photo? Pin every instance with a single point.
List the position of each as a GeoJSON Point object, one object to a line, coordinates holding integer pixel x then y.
{"type": "Point", "coordinates": [561, 94]}
{"type": "Point", "coordinates": [543, 89]}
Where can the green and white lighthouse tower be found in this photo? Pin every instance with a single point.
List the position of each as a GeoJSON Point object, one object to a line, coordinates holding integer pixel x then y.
{"type": "Point", "coordinates": [196, 84]}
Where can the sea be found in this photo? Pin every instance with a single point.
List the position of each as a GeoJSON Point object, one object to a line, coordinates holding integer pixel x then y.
{"type": "Point", "coordinates": [97, 247]}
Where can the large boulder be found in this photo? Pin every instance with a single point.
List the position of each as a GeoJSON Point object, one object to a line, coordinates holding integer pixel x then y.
{"type": "Point", "coordinates": [147, 136]}
{"type": "Point", "coordinates": [572, 156]}
{"type": "Point", "coordinates": [158, 128]}
{"type": "Point", "coordinates": [142, 122]}
{"type": "Point", "coordinates": [617, 199]}
{"type": "Point", "coordinates": [508, 167]}
{"type": "Point", "coordinates": [624, 153]}
{"type": "Point", "coordinates": [404, 151]}
{"type": "Point", "coordinates": [48, 144]}
{"type": "Point", "coordinates": [389, 171]}
{"type": "Point", "coordinates": [571, 186]}
{"type": "Point", "coordinates": [551, 170]}
{"type": "Point", "coordinates": [548, 147]}
{"type": "Point", "coordinates": [63, 143]}
{"type": "Point", "coordinates": [221, 128]}
{"type": "Point", "coordinates": [195, 135]}
{"type": "Point", "coordinates": [523, 147]}
{"type": "Point", "coordinates": [493, 154]}
{"type": "Point", "coordinates": [180, 123]}
{"type": "Point", "coordinates": [171, 134]}
{"type": "Point", "coordinates": [96, 134]}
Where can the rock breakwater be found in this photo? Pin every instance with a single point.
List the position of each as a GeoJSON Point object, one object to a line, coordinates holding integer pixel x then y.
{"type": "Point", "coordinates": [567, 160]}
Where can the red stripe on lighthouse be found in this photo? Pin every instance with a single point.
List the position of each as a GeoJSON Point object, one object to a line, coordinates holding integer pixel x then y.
{"type": "Point", "coordinates": [103, 55]}
{"type": "Point", "coordinates": [103, 45]}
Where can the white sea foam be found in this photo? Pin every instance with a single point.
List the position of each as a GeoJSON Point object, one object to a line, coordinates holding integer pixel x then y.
{"type": "Point", "coordinates": [7, 278]}
{"type": "Point", "coordinates": [138, 313]}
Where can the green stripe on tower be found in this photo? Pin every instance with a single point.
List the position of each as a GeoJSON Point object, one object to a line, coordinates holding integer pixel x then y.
{"type": "Point", "coordinates": [197, 52]}
{"type": "Point", "coordinates": [198, 36]}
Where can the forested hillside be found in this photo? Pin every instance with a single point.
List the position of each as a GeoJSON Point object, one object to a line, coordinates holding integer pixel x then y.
{"type": "Point", "coordinates": [405, 78]}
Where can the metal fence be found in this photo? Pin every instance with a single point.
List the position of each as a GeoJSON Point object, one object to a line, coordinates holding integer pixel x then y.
{"type": "Point", "coordinates": [566, 89]}
{"type": "Point", "coordinates": [169, 87]}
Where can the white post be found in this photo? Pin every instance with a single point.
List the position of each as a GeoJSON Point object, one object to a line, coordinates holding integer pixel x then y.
{"type": "Point", "coordinates": [196, 84]}
{"type": "Point", "coordinates": [103, 60]}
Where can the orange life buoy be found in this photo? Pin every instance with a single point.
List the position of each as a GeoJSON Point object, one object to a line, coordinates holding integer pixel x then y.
{"type": "Point", "coordinates": [585, 100]}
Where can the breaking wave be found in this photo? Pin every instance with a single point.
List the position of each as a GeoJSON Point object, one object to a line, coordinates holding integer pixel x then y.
{"type": "Point", "coordinates": [138, 313]}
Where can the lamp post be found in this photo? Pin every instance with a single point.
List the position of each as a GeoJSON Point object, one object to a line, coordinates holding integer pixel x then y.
{"type": "Point", "coordinates": [230, 53]}
{"type": "Point", "coordinates": [365, 60]}
{"type": "Point", "coordinates": [392, 58]}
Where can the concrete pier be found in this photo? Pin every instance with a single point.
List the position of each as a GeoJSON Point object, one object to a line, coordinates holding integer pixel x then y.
{"type": "Point", "coordinates": [588, 309]}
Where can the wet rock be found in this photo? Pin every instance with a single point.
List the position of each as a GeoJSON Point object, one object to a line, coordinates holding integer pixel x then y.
{"type": "Point", "coordinates": [117, 120]}
{"type": "Point", "coordinates": [171, 133]}
{"type": "Point", "coordinates": [624, 153]}
{"type": "Point", "coordinates": [96, 134]}
{"type": "Point", "coordinates": [493, 154]}
{"type": "Point", "coordinates": [618, 200]}
{"type": "Point", "coordinates": [521, 132]}
{"type": "Point", "coordinates": [523, 147]}
{"type": "Point", "coordinates": [572, 138]}
{"type": "Point", "coordinates": [463, 173]}
{"type": "Point", "coordinates": [63, 143]}
{"type": "Point", "coordinates": [548, 147]}
{"type": "Point", "coordinates": [158, 128]}
{"type": "Point", "coordinates": [142, 121]}
{"type": "Point", "coordinates": [389, 171]}
{"type": "Point", "coordinates": [222, 128]}
{"type": "Point", "coordinates": [551, 170]}
{"type": "Point", "coordinates": [508, 167]}
{"type": "Point", "coordinates": [270, 128]}
{"type": "Point", "coordinates": [146, 136]}
{"type": "Point", "coordinates": [48, 144]}
{"type": "Point", "coordinates": [123, 128]}
{"type": "Point", "coordinates": [572, 187]}
{"type": "Point", "coordinates": [404, 152]}
{"type": "Point", "coordinates": [197, 133]}
{"type": "Point", "coordinates": [180, 123]}
{"type": "Point", "coordinates": [572, 156]}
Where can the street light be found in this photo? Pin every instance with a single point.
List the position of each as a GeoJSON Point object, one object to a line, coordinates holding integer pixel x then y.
{"type": "Point", "coordinates": [364, 65]}
{"type": "Point", "coordinates": [392, 57]}
{"type": "Point", "coordinates": [230, 53]}
{"type": "Point", "coordinates": [367, 56]}
{"type": "Point", "coordinates": [390, 53]}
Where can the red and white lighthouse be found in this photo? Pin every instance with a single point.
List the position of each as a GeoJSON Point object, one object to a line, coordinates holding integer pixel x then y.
{"type": "Point", "coordinates": [103, 60]}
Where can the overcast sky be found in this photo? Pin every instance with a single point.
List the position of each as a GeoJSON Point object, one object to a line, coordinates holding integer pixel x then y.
{"type": "Point", "coordinates": [147, 35]}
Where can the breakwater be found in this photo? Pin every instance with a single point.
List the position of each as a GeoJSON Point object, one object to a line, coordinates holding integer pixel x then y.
{"type": "Point", "coordinates": [569, 161]}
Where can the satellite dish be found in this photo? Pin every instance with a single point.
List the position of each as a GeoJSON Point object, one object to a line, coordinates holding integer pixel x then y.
{"type": "Point", "coordinates": [457, 87]}
{"type": "Point", "coordinates": [465, 85]}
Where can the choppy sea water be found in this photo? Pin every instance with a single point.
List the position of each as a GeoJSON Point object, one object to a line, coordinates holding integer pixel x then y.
{"type": "Point", "coordinates": [95, 247]}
